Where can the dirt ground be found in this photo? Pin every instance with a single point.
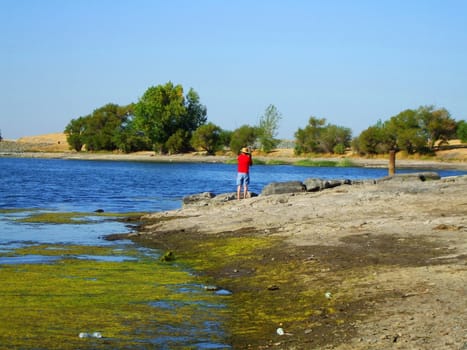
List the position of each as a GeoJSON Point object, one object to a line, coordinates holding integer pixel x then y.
{"type": "Point", "coordinates": [394, 253]}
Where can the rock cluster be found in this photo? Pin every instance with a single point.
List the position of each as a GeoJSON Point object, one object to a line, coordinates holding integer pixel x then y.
{"type": "Point", "coordinates": [309, 185]}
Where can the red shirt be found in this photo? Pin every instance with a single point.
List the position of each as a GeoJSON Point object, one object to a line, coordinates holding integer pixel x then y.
{"type": "Point", "coordinates": [244, 162]}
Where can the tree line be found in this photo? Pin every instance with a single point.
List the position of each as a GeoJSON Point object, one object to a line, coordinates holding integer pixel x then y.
{"type": "Point", "coordinates": [167, 120]}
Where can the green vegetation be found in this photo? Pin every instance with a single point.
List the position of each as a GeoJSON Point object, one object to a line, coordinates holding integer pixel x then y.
{"type": "Point", "coordinates": [267, 129]}
{"type": "Point", "coordinates": [272, 287]}
{"type": "Point", "coordinates": [245, 135]}
{"type": "Point", "coordinates": [167, 121]}
{"type": "Point", "coordinates": [319, 137]}
{"type": "Point", "coordinates": [45, 306]}
{"type": "Point", "coordinates": [71, 217]}
{"type": "Point", "coordinates": [325, 163]}
{"type": "Point", "coordinates": [411, 131]}
{"type": "Point", "coordinates": [208, 138]}
{"type": "Point", "coordinates": [462, 130]}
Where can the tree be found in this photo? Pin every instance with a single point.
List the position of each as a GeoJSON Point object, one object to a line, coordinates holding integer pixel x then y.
{"type": "Point", "coordinates": [374, 140]}
{"type": "Point", "coordinates": [307, 140]}
{"type": "Point", "coordinates": [244, 136]}
{"type": "Point", "coordinates": [207, 137]}
{"type": "Point", "coordinates": [74, 133]}
{"type": "Point", "coordinates": [334, 139]}
{"type": "Point", "coordinates": [99, 130]}
{"type": "Point", "coordinates": [462, 130]}
{"type": "Point", "coordinates": [177, 142]}
{"type": "Point", "coordinates": [129, 139]}
{"type": "Point", "coordinates": [418, 130]}
{"type": "Point", "coordinates": [407, 132]}
{"type": "Point", "coordinates": [320, 137]}
{"type": "Point", "coordinates": [267, 129]}
{"type": "Point", "coordinates": [225, 137]}
{"type": "Point", "coordinates": [102, 126]}
{"type": "Point", "coordinates": [163, 110]}
{"type": "Point", "coordinates": [438, 124]}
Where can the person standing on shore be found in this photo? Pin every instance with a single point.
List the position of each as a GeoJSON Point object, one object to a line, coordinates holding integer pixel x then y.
{"type": "Point", "coordinates": [244, 160]}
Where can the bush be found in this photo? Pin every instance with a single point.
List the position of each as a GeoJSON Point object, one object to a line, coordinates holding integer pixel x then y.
{"type": "Point", "coordinates": [462, 130]}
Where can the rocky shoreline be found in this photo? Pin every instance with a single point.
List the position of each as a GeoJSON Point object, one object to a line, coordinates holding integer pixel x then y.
{"type": "Point", "coordinates": [372, 265]}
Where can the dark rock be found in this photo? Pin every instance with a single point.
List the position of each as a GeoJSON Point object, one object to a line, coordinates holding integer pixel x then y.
{"type": "Point", "coordinates": [194, 198]}
{"type": "Point", "coordinates": [332, 183]}
{"type": "Point", "coordinates": [283, 187]}
{"type": "Point", "coordinates": [420, 176]}
{"type": "Point", "coordinates": [168, 256]}
{"type": "Point", "coordinates": [313, 185]}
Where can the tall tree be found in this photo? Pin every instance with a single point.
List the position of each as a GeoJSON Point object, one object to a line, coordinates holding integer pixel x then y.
{"type": "Point", "coordinates": [163, 110]}
{"type": "Point", "coordinates": [267, 129]}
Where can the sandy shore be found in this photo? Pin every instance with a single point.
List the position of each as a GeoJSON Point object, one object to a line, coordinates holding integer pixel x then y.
{"type": "Point", "coordinates": [393, 256]}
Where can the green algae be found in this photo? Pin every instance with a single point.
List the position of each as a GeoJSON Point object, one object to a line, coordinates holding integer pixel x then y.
{"type": "Point", "coordinates": [46, 306]}
{"type": "Point", "coordinates": [267, 282]}
{"type": "Point", "coordinates": [73, 217]}
{"type": "Point", "coordinates": [313, 293]}
{"type": "Point", "coordinates": [345, 162]}
{"type": "Point", "coordinates": [317, 294]}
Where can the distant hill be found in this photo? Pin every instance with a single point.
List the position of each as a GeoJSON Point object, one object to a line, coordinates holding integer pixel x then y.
{"type": "Point", "coordinates": [55, 142]}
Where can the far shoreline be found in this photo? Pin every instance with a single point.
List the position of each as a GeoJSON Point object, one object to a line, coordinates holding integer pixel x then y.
{"type": "Point", "coordinates": [268, 159]}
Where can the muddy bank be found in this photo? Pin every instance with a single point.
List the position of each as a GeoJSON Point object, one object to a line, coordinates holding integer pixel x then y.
{"type": "Point", "coordinates": [368, 266]}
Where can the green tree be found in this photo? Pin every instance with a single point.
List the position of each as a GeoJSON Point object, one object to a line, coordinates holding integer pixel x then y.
{"type": "Point", "coordinates": [319, 137]}
{"type": "Point", "coordinates": [129, 139]}
{"type": "Point", "coordinates": [74, 133]}
{"type": "Point", "coordinates": [102, 126]}
{"type": "Point", "coordinates": [462, 130]}
{"type": "Point", "coordinates": [374, 140]}
{"type": "Point", "coordinates": [334, 139]}
{"type": "Point", "coordinates": [267, 129]}
{"type": "Point", "coordinates": [163, 110]}
{"type": "Point", "coordinates": [307, 139]}
{"type": "Point", "coordinates": [98, 130]}
{"type": "Point", "coordinates": [418, 130]}
{"type": "Point", "coordinates": [406, 130]}
{"type": "Point", "coordinates": [207, 137]}
{"type": "Point", "coordinates": [225, 137]}
{"type": "Point", "coordinates": [178, 142]}
{"type": "Point", "coordinates": [437, 124]}
{"type": "Point", "coordinates": [244, 136]}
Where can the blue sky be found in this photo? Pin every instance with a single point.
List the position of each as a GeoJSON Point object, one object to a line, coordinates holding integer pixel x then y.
{"type": "Point", "coordinates": [350, 62]}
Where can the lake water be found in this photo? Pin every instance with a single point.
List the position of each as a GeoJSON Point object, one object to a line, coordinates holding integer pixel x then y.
{"type": "Point", "coordinates": [53, 185]}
